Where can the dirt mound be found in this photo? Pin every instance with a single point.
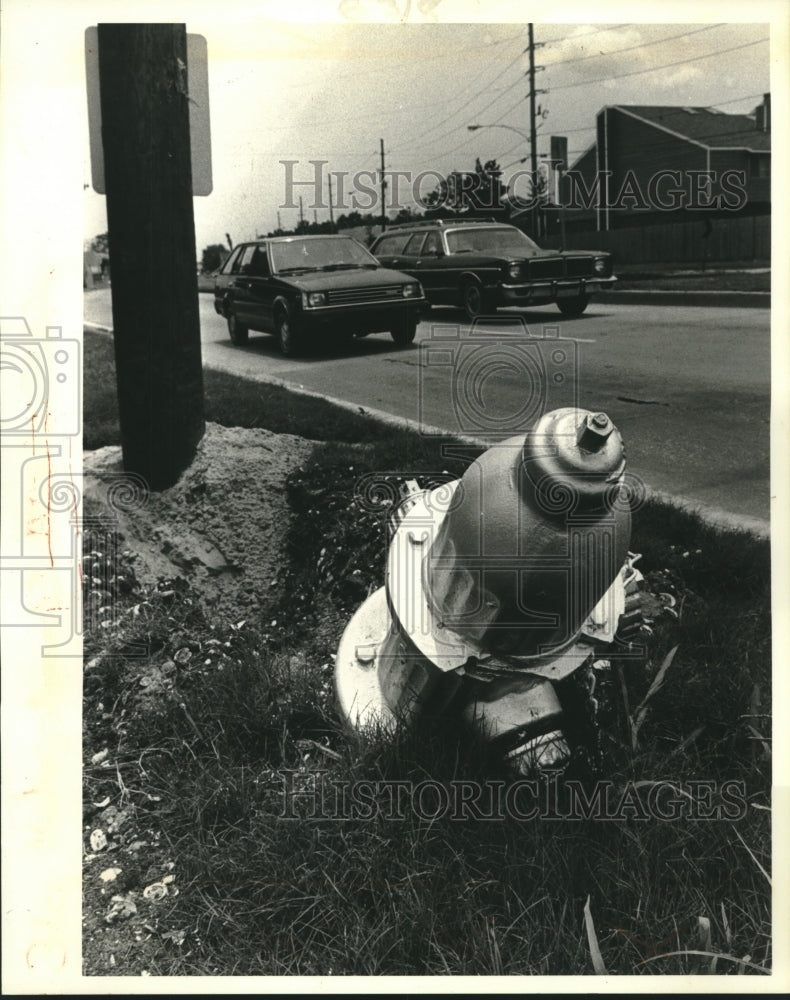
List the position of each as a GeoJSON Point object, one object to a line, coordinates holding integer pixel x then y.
{"type": "Point", "coordinates": [222, 526]}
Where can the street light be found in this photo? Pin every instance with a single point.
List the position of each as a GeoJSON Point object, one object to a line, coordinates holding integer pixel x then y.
{"type": "Point", "coordinates": [514, 162]}
{"type": "Point", "coordinates": [510, 128]}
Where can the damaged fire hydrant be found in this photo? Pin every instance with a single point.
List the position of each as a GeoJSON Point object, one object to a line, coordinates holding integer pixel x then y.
{"type": "Point", "coordinates": [498, 586]}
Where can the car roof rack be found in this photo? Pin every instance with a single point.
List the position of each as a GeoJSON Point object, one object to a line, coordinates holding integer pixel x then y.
{"type": "Point", "coordinates": [439, 222]}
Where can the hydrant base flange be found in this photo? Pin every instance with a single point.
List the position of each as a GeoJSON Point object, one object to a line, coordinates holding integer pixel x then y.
{"type": "Point", "coordinates": [357, 685]}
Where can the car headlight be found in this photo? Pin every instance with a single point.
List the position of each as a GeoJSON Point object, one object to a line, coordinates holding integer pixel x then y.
{"type": "Point", "coordinates": [600, 265]}
{"type": "Point", "coordinates": [313, 299]}
{"type": "Point", "coordinates": [411, 291]}
{"type": "Point", "coordinates": [514, 270]}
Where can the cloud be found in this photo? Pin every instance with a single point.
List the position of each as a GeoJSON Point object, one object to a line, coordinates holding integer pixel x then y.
{"type": "Point", "coordinates": [680, 75]}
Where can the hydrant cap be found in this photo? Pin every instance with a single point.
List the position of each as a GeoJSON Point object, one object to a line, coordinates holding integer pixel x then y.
{"type": "Point", "coordinates": [575, 450]}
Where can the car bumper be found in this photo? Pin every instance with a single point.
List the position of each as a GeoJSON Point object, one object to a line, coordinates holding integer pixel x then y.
{"type": "Point", "coordinates": [536, 292]}
{"type": "Point", "coordinates": [363, 318]}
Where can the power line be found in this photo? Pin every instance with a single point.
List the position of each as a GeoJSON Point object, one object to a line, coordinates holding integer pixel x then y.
{"type": "Point", "coordinates": [589, 34]}
{"type": "Point", "coordinates": [466, 105]}
{"type": "Point", "coordinates": [654, 69]}
{"type": "Point", "coordinates": [655, 146]}
{"type": "Point", "coordinates": [411, 108]}
{"type": "Point", "coordinates": [397, 67]}
{"type": "Point", "coordinates": [632, 48]}
{"type": "Point", "coordinates": [436, 137]}
{"type": "Point", "coordinates": [590, 129]}
{"type": "Point", "coordinates": [721, 104]}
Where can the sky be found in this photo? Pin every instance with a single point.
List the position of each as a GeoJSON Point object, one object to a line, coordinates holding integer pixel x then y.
{"type": "Point", "coordinates": [332, 91]}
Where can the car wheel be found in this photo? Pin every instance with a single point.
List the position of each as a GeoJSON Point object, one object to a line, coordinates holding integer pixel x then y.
{"type": "Point", "coordinates": [287, 338]}
{"type": "Point", "coordinates": [239, 333]}
{"type": "Point", "coordinates": [574, 306]}
{"type": "Point", "coordinates": [405, 332]}
{"type": "Point", "coordinates": [475, 301]}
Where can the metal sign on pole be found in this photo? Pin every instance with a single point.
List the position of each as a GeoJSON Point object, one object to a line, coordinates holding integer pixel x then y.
{"type": "Point", "coordinates": [559, 152]}
{"type": "Point", "coordinates": [199, 121]}
{"type": "Point", "coordinates": [559, 159]}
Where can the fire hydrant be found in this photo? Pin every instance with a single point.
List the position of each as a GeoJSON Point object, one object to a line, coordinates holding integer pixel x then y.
{"type": "Point", "coordinates": [499, 585]}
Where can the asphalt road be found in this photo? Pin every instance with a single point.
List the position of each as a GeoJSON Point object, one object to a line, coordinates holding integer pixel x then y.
{"type": "Point", "coordinates": [688, 387]}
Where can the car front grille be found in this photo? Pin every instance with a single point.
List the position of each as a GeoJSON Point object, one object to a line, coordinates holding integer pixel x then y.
{"type": "Point", "coordinates": [551, 267]}
{"type": "Point", "coordinates": [578, 266]}
{"type": "Point", "coordinates": [558, 267]}
{"type": "Point", "coordinates": [352, 296]}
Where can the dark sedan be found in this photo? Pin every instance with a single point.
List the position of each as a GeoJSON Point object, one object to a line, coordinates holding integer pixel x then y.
{"type": "Point", "coordinates": [298, 286]}
{"type": "Point", "coordinates": [482, 265]}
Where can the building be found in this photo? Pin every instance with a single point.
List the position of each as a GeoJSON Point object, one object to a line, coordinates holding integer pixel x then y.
{"type": "Point", "coordinates": [656, 163]}
{"type": "Point", "coordinates": [668, 184]}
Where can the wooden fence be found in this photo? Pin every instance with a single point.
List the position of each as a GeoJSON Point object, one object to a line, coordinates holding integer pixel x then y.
{"type": "Point", "coordinates": [740, 238]}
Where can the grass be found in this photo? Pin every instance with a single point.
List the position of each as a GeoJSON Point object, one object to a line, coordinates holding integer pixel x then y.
{"type": "Point", "coordinates": [228, 400]}
{"type": "Point", "coordinates": [207, 724]}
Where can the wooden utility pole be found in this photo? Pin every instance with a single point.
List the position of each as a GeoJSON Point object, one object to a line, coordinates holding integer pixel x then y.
{"type": "Point", "coordinates": [148, 177]}
{"type": "Point", "coordinates": [533, 140]}
{"type": "Point", "coordinates": [331, 210]}
{"type": "Point", "coordinates": [383, 188]}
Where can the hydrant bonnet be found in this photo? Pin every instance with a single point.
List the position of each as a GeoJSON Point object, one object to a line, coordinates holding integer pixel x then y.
{"type": "Point", "coordinates": [536, 537]}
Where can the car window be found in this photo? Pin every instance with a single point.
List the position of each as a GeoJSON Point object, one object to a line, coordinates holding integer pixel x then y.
{"type": "Point", "coordinates": [260, 263]}
{"type": "Point", "coordinates": [433, 244]}
{"type": "Point", "coordinates": [245, 260]}
{"type": "Point", "coordinates": [392, 244]}
{"type": "Point", "coordinates": [413, 246]}
{"type": "Point", "coordinates": [319, 253]}
{"type": "Point", "coordinates": [231, 262]}
{"type": "Point", "coordinates": [493, 239]}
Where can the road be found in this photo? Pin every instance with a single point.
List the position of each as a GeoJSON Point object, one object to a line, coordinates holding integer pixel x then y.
{"type": "Point", "coordinates": [688, 387]}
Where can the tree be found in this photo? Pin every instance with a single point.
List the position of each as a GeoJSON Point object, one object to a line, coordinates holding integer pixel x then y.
{"type": "Point", "coordinates": [213, 258]}
{"type": "Point", "coordinates": [475, 191]}
{"type": "Point", "coordinates": [407, 215]}
{"type": "Point", "coordinates": [101, 244]}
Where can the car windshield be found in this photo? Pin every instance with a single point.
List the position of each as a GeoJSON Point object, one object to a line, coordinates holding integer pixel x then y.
{"type": "Point", "coordinates": [493, 238]}
{"type": "Point", "coordinates": [319, 254]}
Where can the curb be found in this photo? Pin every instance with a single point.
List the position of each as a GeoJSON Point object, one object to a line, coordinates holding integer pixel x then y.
{"type": "Point", "coordinates": [641, 297]}
{"type": "Point", "coordinates": [714, 516]}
